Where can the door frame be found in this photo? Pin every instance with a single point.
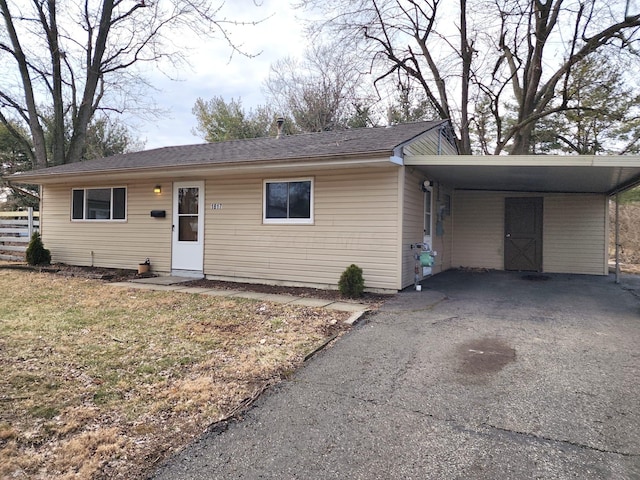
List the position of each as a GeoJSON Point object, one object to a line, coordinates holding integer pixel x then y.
{"type": "Point", "coordinates": [194, 267]}
{"type": "Point", "coordinates": [427, 225]}
{"type": "Point", "coordinates": [534, 238]}
{"type": "Point", "coordinates": [427, 212]}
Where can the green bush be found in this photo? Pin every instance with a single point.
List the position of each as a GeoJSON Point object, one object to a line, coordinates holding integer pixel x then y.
{"type": "Point", "coordinates": [351, 282]}
{"type": "Point", "coordinates": [36, 254]}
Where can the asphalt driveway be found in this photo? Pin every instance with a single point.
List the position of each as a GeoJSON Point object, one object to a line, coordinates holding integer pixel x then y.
{"type": "Point", "coordinates": [480, 375]}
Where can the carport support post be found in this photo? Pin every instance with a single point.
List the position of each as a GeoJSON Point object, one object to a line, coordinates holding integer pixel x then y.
{"type": "Point", "coordinates": [617, 239]}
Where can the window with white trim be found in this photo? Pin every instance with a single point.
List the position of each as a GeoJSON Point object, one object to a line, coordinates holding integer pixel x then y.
{"type": "Point", "coordinates": [288, 201]}
{"type": "Point", "coordinates": [428, 216]}
{"type": "Point", "coordinates": [104, 204]}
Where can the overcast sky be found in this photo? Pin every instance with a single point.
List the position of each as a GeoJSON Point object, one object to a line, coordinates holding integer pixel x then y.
{"type": "Point", "coordinates": [213, 74]}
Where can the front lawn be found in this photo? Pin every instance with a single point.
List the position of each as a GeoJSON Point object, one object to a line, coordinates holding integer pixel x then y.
{"type": "Point", "coordinates": [99, 381]}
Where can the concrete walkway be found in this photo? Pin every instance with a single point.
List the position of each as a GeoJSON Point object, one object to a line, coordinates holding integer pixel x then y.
{"type": "Point", "coordinates": [479, 376]}
{"type": "Point", "coordinates": [178, 284]}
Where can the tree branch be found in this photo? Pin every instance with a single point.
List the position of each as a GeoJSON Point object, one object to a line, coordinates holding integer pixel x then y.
{"type": "Point", "coordinates": [34, 124]}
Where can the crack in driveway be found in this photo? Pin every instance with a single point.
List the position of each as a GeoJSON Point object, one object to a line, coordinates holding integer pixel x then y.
{"type": "Point", "coordinates": [557, 440]}
{"type": "Point", "coordinates": [469, 428]}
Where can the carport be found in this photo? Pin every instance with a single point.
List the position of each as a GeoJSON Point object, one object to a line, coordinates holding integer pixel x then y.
{"type": "Point", "coordinates": [538, 213]}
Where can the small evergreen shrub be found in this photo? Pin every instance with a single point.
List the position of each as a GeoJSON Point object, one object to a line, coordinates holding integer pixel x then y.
{"type": "Point", "coordinates": [36, 254]}
{"type": "Point", "coordinates": [351, 282]}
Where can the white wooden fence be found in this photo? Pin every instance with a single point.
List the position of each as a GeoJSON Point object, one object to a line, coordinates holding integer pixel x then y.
{"type": "Point", "coordinates": [16, 229]}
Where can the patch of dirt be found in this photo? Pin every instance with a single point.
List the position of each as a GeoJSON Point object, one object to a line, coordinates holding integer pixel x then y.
{"type": "Point", "coordinates": [121, 275]}
{"type": "Point", "coordinates": [629, 268]}
{"type": "Point", "coordinates": [94, 273]}
{"type": "Point", "coordinates": [104, 383]}
{"type": "Point", "coordinates": [629, 235]}
{"type": "Point", "coordinates": [334, 295]}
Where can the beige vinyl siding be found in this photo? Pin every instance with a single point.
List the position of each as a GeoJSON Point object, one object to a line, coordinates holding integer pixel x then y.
{"type": "Point", "coordinates": [430, 144]}
{"type": "Point", "coordinates": [115, 244]}
{"type": "Point", "coordinates": [575, 234]}
{"type": "Point", "coordinates": [355, 221]}
{"type": "Point", "coordinates": [574, 231]}
{"type": "Point", "coordinates": [413, 227]}
{"type": "Point", "coordinates": [478, 225]}
{"type": "Point", "coordinates": [412, 223]}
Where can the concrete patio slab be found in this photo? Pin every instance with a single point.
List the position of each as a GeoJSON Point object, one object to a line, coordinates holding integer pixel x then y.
{"type": "Point", "coordinates": [169, 280]}
{"type": "Point", "coordinates": [199, 290]}
{"type": "Point", "coordinates": [148, 286]}
{"type": "Point", "coordinates": [277, 298]}
{"type": "Point", "coordinates": [312, 302]}
{"type": "Point", "coordinates": [220, 293]}
{"type": "Point", "coordinates": [249, 295]}
{"type": "Point", "coordinates": [346, 306]}
{"type": "Point", "coordinates": [176, 284]}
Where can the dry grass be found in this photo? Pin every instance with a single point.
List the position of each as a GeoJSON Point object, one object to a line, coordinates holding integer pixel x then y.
{"type": "Point", "coordinates": [103, 382]}
{"type": "Point", "coordinates": [629, 236]}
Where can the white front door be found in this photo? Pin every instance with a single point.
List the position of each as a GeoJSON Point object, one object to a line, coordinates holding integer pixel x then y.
{"type": "Point", "coordinates": [187, 254]}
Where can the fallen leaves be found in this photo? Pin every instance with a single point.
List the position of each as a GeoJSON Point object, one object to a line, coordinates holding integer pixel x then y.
{"type": "Point", "coordinates": [102, 382]}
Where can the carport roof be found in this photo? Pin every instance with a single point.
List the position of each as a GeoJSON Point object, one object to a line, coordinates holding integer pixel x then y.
{"type": "Point", "coordinates": [532, 173]}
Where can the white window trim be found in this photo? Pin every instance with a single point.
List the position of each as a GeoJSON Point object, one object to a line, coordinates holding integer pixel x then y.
{"type": "Point", "coordinates": [288, 221]}
{"type": "Point", "coordinates": [100, 220]}
{"type": "Point", "coordinates": [427, 238]}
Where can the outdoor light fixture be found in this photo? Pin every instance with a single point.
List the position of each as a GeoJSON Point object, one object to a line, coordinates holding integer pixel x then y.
{"type": "Point", "coordinates": [157, 189]}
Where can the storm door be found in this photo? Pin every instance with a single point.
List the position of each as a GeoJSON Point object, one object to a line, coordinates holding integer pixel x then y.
{"type": "Point", "coordinates": [187, 254]}
{"type": "Point", "coordinates": [523, 234]}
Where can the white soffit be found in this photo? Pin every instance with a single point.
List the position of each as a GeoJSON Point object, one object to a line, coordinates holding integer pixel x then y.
{"type": "Point", "coordinates": [532, 173]}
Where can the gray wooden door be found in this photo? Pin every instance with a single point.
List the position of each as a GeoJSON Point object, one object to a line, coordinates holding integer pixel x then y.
{"type": "Point", "coordinates": [523, 234]}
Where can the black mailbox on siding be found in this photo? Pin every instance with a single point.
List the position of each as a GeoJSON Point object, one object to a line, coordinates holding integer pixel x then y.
{"type": "Point", "coordinates": [158, 213]}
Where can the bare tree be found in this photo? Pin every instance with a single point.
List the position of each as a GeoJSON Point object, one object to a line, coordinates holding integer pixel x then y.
{"type": "Point", "coordinates": [320, 91]}
{"type": "Point", "coordinates": [219, 120]}
{"type": "Point", "coordinates": [69, 57]}
{"type": "Point", "coordinates": [541, 43]}
{"type": "Point", "coordinates": [411, 39]}
{"type": "Point", "coordinates": [603, 114]}
{"type": "Point", "coordinates": [517, 52]}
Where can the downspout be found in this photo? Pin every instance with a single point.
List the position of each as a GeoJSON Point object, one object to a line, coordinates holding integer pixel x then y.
{"type": "Point", "coordinates": [440, 140]}
{"type": "Point", "coordinates": [617, 239]}
{"type": "Point", "coordinates": [398, 159]}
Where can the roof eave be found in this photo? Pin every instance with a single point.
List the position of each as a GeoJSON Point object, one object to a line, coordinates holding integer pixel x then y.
{"type": "Point", "coordinates": [383, 157]}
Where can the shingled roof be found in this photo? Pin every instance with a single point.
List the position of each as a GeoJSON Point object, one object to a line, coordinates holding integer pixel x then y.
{"type": "Point", "coordinates": [354, 142]}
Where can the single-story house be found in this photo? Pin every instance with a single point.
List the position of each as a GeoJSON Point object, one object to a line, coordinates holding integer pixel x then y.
{"type": "Point", "coordinates": [299, 209]}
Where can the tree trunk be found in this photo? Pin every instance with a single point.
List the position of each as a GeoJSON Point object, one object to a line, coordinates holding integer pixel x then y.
{"type": "Point", "coordinates": [58, 143]}
{"type": "Point", "coordinates": [37, 133]}
{"type": "Point", "coordinates": [522, 141]}
{"type": "Point", "coordinates": [467, 56]}
{"type": "Point", "coordinates": [94, 75]}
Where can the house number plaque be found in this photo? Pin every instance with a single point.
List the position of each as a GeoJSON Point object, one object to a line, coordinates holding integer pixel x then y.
{"type": "Point", "coordinates": [216, 206]}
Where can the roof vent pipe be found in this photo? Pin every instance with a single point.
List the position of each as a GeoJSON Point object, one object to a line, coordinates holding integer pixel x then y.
{"type": "Point", "coordinates": [279, 123]}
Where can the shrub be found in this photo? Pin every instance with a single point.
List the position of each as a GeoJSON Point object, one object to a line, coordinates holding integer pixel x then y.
{"type": "Point", "coordinates": [351, 282]}
{"type": "Point", "coordinates": [36, 254]}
